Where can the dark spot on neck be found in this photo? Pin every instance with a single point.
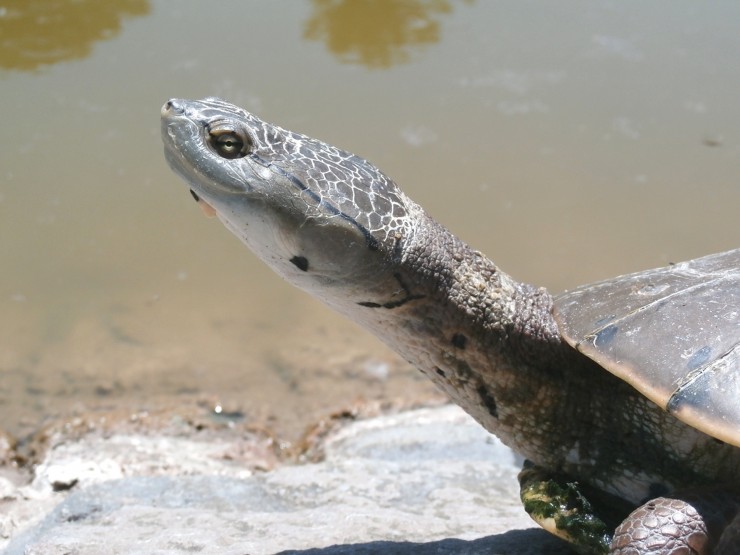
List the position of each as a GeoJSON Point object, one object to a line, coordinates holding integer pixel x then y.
{"type": "Point", "coordinates": [300, 262]}
{"type": "Point", "coordinates": [408, 296]}
{"type": "Point", "coordinates": [398, 247]}
{"type": "Point", "coordinates": [488, 400]}
{"type": "Point", "coordinates": [459, 340]}
{"type": "Point", "coordinates": [439, 371]}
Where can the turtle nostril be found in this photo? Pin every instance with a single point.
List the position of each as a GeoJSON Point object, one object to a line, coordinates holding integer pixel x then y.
{"type": "Point", "coordinates": [173, 105]}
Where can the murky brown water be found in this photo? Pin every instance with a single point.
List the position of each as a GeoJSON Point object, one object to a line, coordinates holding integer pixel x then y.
{"type": "Point", "coordinates": [570, 142]}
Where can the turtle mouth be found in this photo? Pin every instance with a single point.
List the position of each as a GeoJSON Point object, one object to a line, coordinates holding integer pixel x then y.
{"type": "Point", "coordinates": [185, 172]}
{"type": "Point", "coordinates": [207, 209]}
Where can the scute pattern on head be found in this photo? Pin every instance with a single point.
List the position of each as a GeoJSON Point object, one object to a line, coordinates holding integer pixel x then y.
{"type": "Point", "coordinates": [338, 178]}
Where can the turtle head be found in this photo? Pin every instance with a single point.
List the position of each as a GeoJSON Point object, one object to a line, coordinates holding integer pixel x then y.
{"type": "Point", "coordinates": [324, 219]}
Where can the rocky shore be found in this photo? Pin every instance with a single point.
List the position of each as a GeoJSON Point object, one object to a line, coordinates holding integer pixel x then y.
{"type": "Point", "coordinates": [420, 481]}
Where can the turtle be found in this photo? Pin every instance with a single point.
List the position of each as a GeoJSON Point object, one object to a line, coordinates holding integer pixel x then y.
{"type": "Point", "coordinates": [623, 396]}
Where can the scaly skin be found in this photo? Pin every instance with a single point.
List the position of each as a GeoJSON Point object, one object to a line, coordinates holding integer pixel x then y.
{"type": "Point", "coordinates": [332, 224]}
{"type": "Point", "coordinates": [666, 525]}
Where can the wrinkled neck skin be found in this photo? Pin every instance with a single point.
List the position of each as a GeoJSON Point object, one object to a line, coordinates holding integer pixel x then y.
{"type": "Point", "coordinates": [493, 346]}
{"type": "Point", "coordinates": [483, 338]}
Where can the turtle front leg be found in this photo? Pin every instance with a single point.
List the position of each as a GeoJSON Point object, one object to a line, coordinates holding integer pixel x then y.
{"type": "Point", "coordinates": [694, 524]}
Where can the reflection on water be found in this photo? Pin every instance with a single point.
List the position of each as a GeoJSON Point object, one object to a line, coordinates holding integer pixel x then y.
{"type": "Point", "coordinates": [34, 33]}
{"type": "Point", "coordinates": [375, 33]}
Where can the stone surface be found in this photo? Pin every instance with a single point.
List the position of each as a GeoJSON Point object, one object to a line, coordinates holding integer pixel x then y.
{"type": "Point", "coordinates": [422, 481]}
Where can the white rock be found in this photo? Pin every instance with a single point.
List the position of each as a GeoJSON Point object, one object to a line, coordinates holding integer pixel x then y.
{"type": "Point", "coordinates": [425, 481]}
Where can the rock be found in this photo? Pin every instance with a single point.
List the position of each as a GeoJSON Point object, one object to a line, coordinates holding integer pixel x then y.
{"type": "Point", "coordinates": [7, 448]}
{"type": "Point", "coordinates": [423, 481]}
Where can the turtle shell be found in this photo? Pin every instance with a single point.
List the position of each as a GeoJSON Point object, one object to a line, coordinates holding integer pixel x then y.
{"type": "Point", "coordinates": [673, 333]}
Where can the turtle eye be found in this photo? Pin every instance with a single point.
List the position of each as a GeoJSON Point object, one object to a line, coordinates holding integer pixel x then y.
{"type": "Point", "coordinates": [228, 142]}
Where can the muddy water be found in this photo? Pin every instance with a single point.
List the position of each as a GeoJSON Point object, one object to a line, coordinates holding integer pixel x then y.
{"type": "Point", "coordinates": [569, 142]}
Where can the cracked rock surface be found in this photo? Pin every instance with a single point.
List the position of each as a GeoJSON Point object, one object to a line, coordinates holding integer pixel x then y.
{"type": "Point", "coordinates": [420, 481]}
